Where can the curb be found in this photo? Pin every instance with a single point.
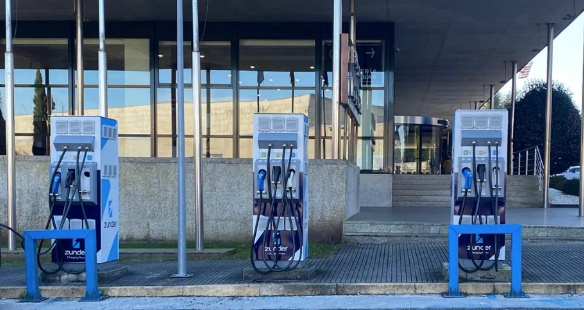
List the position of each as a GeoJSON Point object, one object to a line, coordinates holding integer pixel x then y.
{"type": "Point", "coordinates": [297, 289]}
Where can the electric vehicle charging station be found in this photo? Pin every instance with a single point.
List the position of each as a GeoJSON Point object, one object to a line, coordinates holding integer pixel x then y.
{"type": "Point", "coordinates": [280, 191]}
{"type": "Point", "coordinates": [479, 153]}
{"type": "Point", "coordinates": [84, 190]}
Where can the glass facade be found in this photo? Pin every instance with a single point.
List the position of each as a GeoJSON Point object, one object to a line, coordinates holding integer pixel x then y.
{"type": "Point", "coordinates": [418, 145]}
{"type": "Point", "coordinates": [245, 69]}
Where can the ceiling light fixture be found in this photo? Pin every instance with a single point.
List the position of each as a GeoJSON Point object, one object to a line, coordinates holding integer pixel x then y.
{"type": "Point", "coordinates": [252, 67]}
{"type": "Point", "coordinates": [312, 67]}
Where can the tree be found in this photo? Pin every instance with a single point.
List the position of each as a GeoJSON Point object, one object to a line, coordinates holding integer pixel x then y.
{"type": "Point", "coordinates": [530, 124]}
{"type": "Point", "coordinates": [40, 117]}
{"type": "Point", "coordinates": [2, 132]}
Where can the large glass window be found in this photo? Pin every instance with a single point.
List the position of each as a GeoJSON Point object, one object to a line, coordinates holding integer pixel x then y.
{"type": "Point", "coordinates": [276, 76]}
{"type": "Point", "coordinates": [370, 144]}
{"type": "Point", "coordinates": [216, 100]}
{"type": "Point", "coordinates": [128, 80]}
{"type": "Point", "coordinates": [128, 61]}
{"type": "Point", "coordinates": [417, 149]}
{"type": "Point", "coordinates": [41, 80]}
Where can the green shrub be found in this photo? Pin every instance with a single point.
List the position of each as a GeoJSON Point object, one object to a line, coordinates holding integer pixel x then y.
{"type": "Point", "coordinates": [572, 187]}
{"type": "Point", "coordinates": [557, 182]}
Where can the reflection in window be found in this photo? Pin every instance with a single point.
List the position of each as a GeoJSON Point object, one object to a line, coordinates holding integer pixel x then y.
{"type": "Point", "coordinates": [33, 107]}
{"type": "Point", "coordinates": [49, 57]}
{"type": "Point", "coordinates": [129, 106]}
{"type": "Point", "coordinates": [128, 61]}
{"type": "Point", "coordinates": [2, 124]}
{"type": "Point", "coordinates": [272, 63]}
{"type": "Point", "coordinates": [220, 111]}
{"type": "Point", "coordinates": [134, 146]}
{"type": "Point", "coordinates": [215, 61]}
{"type": "Point", "coordinates": [211, 147]}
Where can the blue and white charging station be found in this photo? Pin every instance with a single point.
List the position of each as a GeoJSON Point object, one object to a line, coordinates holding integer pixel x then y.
{"type": "Point", "coordinates": [91, 163]}
{"type": "Point", "coordinates": [280, 192]}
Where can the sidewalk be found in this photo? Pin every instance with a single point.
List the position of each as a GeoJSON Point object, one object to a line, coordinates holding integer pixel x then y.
{"type": "Point", "coordinates": [407, 264]}
{"type": "Point", "coordinates": [313, 303]}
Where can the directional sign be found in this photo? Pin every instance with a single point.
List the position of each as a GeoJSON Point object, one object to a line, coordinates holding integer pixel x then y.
{"type": "Point", "coordinates": [370, 60]}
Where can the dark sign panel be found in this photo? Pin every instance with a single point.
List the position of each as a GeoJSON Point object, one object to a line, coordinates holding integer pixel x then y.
{"type": "Point", "coordinates": [370, 57]}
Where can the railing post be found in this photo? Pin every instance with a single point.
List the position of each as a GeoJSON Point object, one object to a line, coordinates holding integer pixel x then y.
{"type": "Point", "coordinates": [526, 161]}
{"type": "Point", "coordinates": [535, 161]}
{"type": "Point", "coordinates": [519, 165]}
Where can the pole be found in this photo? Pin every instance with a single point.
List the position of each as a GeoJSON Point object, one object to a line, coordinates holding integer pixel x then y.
{"type": "Point", "coordinates": [197, 130]}
{"type": "Point", "coordinates": [337, 28]}
{"type": "Point", "coordinates": [512, 125]}
{"type": "Point", "coordinates": [10, 142]}
{"type": "Point", "coordinates": [80, 70]}
{"type": "Point", "coordinates": [548, 118]}
{"type": "Point", "coordinates": [102, 62]}
{"type": "Point", "coordinates": [581, 202]}
{"type": "Point", "coordinates": [492, 96]}
{"type": "Point", "coordinates": [182, 220]}
{"type": "Point", "coordinates": [353, 37]}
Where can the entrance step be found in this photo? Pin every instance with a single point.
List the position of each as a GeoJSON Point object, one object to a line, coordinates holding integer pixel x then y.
{"type": "Point", "coordinates": [364, 232]}
{"type": "Point", "coordinates": [410, 190]}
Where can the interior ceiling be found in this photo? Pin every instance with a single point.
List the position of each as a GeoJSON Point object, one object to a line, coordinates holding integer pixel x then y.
{"type": "Point", "coordinates": [448, 49]}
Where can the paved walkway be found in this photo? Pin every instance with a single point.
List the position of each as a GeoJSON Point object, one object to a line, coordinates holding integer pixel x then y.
{"type": "Point", "coordinates": [311, 303]}
{"type": "Point", "coordinates": [557, 262]}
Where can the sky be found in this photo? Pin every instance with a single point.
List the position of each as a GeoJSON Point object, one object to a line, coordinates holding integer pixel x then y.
{"type": "Point", "coordinates": [567, 66]}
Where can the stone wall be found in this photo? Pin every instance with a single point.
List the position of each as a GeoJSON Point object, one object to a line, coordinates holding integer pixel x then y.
{"type": "Point", "coordinates": [148, 202]}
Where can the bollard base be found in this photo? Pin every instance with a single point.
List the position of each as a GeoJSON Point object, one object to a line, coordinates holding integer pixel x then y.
{"type": "Point", "coordinates": [103, 276]}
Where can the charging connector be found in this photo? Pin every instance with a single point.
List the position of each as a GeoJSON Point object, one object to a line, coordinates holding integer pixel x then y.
{"type": "Point", "coordinates": [291, 174]}
{"type": "Point", "coordinates": [467, 178]}
{"type": "Point", "coordinates": [261, 178]}
{"type": "Point", "coordinates": [276, 172]}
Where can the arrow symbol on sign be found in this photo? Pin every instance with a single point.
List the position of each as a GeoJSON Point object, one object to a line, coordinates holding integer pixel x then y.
{"type": "Point", "coordinates": [372, 53]}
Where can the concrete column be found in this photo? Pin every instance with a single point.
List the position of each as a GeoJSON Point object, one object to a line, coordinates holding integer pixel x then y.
{"type": "Point", "coordinates": [548, 118]}
{"type": "Point", "coordinates": [337, 29]}
{"type": "Point", "coordinates": [512, 124]}
{"type": "Point", "coordinates": [10, 142]}
{"type": "Point", "coordinates": [492, 96]}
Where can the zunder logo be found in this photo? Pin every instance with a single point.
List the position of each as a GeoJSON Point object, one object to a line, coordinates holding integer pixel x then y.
{"type": "Point", "coordinates": [109, 209]}
{"type": "Point", "coordinates": [478, 238]}
{"type": "Point", "coordinates": [76, 244]}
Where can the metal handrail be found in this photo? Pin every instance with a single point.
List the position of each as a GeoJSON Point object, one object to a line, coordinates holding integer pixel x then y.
{"type": "Point", "coordinates": [529, 162]}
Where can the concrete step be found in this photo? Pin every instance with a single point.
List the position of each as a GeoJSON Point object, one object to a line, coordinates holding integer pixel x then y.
{"type": "Point", "coordinates": [422, 198]}
{"type": "Point", "coordinates": [388, 232]}
{"type": "Point", "coordinates": [514, 202]}
{"type": "Point", "coordinates": [418, 192]}
{"type": "Point", "coordinates": [421, 204]}
{"type": "Point", "coordinates": [420, 176]}
{"type": "Point", "coordinates": [436, 186]}
{"type": "Point", "coordinates": [524, 186]}
{"type": "Point", "coordinates": [524, 193]}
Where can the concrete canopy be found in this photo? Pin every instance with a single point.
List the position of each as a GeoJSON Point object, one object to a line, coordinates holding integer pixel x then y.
{"type": "Point", "coordinates": [448, 49]}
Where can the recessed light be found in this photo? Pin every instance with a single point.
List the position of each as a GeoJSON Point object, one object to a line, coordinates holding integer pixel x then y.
{"type": "Point", "coordinates": [271, 80]}
{"type": "Point", "coordinates": [252, 67]}
{"type": "Point", "coordinates": [311, 67]}
{"type": "Point", "coordinates": [202, 56]}
{"type": "Point", "coordinates": [160, 55]}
